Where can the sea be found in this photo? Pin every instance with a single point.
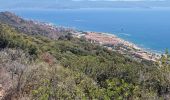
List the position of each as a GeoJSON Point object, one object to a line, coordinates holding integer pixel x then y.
{"type": "Point", "coordinates": [148, 28]}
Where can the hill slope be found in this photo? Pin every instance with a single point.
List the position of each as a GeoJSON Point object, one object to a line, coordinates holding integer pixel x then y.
{"type": "Point", "coordinates": [32, 27]}
{"type": "Point", "coordinates": [38, 67]}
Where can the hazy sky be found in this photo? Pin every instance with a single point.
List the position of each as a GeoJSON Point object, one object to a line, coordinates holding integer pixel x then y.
{"type": "Point", "coordinates": [44, 3]}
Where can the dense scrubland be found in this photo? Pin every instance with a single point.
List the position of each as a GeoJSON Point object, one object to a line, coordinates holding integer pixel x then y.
{"type": "Point", "coordinates": [40, 68]}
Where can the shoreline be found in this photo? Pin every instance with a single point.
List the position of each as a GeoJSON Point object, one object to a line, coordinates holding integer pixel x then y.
{"type": "Point", "coordinates": [111, 41]}
{"type": "Point", "coordinates": [140, 47]}
{"type": "Point", "coordinates": [115, 43]}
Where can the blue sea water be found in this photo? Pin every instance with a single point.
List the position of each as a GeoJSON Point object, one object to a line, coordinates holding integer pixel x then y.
{"type": "Point", "coordinates": [148, 28]}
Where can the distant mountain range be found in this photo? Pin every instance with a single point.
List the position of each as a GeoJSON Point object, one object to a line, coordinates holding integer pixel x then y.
{"type": "Point", "coordinates": [70, 4]}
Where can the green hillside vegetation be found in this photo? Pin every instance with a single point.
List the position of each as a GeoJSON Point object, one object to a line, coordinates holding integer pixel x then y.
{"type": "Point", "coordinates": [71, 68]}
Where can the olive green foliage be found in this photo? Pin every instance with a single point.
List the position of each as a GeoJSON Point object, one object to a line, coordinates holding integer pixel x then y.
{"type": "Point", "coordinates": [87, 71]}
{"type": "Point", "coordinates": [61, 83]}
{"type": "Point", "coordinates": [10, 38]}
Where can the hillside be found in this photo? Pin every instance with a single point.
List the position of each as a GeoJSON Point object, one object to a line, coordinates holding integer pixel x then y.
{"type": "Point", "coordinates": [32, 27]}
{"type": "Point", "coordinates": [37, 67]}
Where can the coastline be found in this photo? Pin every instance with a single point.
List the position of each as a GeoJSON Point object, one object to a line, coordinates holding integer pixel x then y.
{"type": "Point", "coordinates": [111, 42]}
{"type": "Point", "coordinates": [115, 43]}
{"type": "Point", "coordinates": [137, 46]}
{"type": "Point", "coordinates": [151, 38]}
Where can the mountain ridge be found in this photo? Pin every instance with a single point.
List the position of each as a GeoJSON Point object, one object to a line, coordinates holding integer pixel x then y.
{"type": "Point", "coordinates": [32, 27]}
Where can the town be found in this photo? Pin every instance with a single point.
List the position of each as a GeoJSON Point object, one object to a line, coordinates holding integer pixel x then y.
{"type": "Point", "coordinates": [112, 42]}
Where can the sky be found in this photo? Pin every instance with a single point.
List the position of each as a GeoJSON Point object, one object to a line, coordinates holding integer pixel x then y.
{"type": "Point", "coordinates": [12, 4]}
